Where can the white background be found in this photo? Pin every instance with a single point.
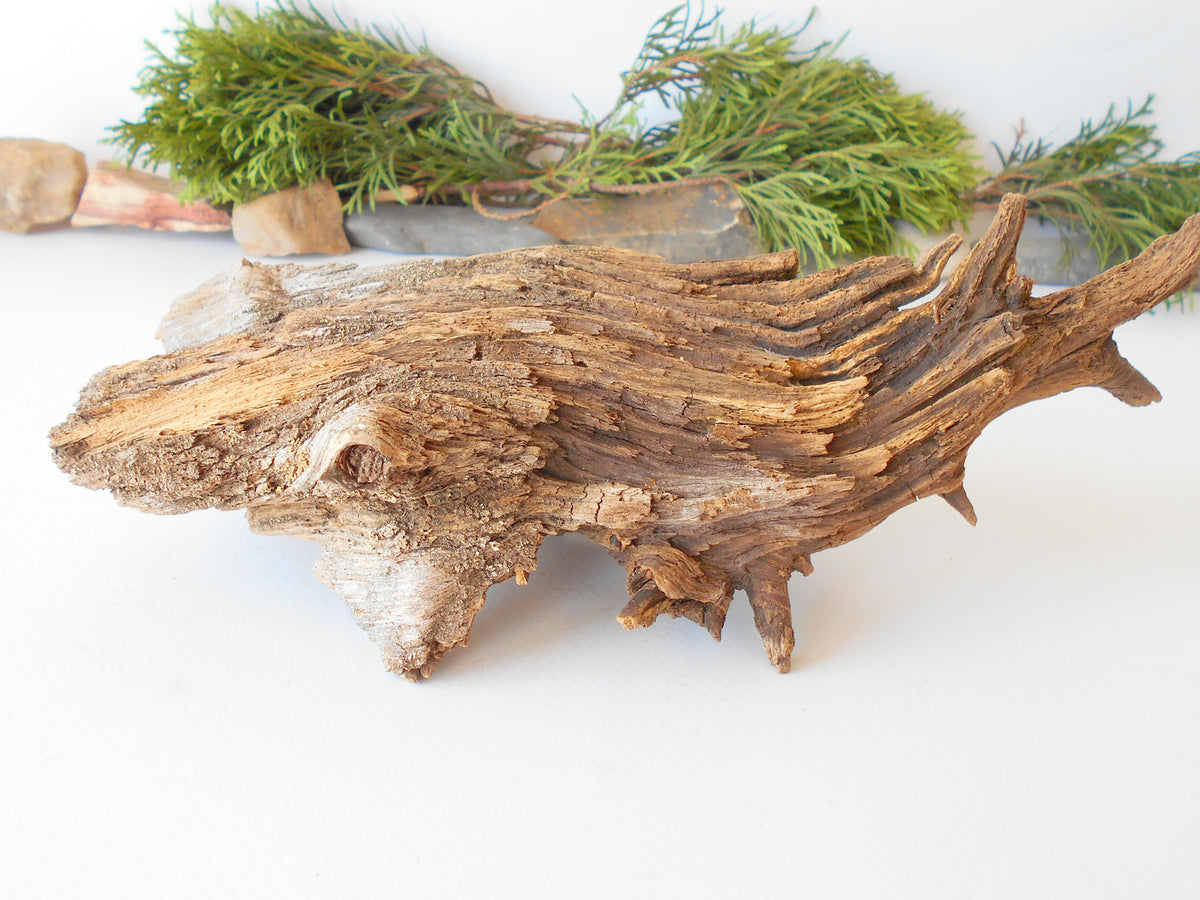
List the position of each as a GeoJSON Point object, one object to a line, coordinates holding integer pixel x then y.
{"type": "Point", "coordinates": [1005, 711]}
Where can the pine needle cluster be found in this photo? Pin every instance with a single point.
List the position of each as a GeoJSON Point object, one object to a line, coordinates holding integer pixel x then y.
{"type": "Point", "coordinates": [1107, 183]}
{"type": "Point", "coordinates": [825, 152]}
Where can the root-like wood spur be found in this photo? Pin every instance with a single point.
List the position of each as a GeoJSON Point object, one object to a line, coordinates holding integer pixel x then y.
{"type": "Point", "coordinates": [713, 425]}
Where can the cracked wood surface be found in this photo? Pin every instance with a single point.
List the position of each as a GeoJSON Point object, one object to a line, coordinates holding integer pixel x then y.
{"type": "Point", "coordinates": [712, 425]}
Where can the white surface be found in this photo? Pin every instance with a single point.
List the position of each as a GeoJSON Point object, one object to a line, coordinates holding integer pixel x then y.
{"type": "Point", "coordinates": [1006, 711]}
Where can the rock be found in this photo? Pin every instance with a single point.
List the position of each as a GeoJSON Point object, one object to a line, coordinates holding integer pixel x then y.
{"type": "Point", "coordinates": [682, 223]}
{"type": "Point", "coordinates": [1042, 253]}
{"type": "Point", "coordinates": [115, 195]}
{"type": "Point", "coordinates": [436, 229]}
{"type": "Point", "coordinates": [294, 220]}
{"type": "Point", "coordinates": [40, 183]}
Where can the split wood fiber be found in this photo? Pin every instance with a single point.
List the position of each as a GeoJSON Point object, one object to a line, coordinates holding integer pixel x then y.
{"type": "Point", "coordinates": [712, 425]}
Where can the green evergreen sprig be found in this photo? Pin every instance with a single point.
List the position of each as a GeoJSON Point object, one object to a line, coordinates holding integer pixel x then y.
{"type": "Point", "coordinates": [825, 152]}
{"type": "Point", "coordinates": [1106, 183]}
{"type": "Point", "coordinates": [257, 103]}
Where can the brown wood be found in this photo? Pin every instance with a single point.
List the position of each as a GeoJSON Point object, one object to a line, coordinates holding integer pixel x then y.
{"type": "Point", "coordinates": [713, 425]}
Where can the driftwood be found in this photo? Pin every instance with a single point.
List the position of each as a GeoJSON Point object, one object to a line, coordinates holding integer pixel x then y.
{"type": "Point", "coordinates": [713, 425]}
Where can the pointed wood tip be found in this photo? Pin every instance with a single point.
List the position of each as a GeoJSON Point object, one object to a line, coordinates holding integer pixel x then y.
{"type": "Point", "coordinates": [1130, 386]}
{"type": "Point", "coordinates": [980, 282]}
{"type": "Point", "coordinates": [933, 263]}
{"type": "Point", "coordinates": [779, 640]}
{"type": "Point", "coordinates": [961, 503]}
{"type": "Point", "coordinates": [642, 608]}
{"type": "Point", "coordinates": [649, 603]}
{"type": "Point", "coordinates": [1093, 308]}
{"type": "Point", "coordinates": [767, 590]}
{"type": "Point", "coordinates": [415, 668]}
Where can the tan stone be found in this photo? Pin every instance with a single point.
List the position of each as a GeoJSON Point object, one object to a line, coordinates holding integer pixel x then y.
{"type": "Point", "coordinates": [294, 220]}
{"type": "Point", "coordinates": [115, 195]}
{"type": "Point", "coordinates": [40, 183]}
{"type": "Point", "coordinates": [682, 222]}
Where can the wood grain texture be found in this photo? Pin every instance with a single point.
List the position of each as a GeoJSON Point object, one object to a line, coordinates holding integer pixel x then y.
{"type": "Point", "coordinates": [712, 425]}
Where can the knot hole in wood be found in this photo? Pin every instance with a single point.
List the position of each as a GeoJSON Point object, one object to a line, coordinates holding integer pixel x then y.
{"type": "Point", "coordinates": [362, 464]}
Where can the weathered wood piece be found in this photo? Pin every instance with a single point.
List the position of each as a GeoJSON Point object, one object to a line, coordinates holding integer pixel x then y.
{"type": "Point", "coordinates": [116, 195]}
{"type": "Point", "coordinates": [712, 425]}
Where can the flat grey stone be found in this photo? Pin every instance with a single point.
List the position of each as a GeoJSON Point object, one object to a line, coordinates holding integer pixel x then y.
{"type": "Point", "coordinates": [442, 230]}
{"type": "Point", "coordinates": [682, 223]}
{"type": "Point", "coordinates": [1044, 256]}
{"type": "Point", "coordinates": [1042, 253]}
{"type": "Point", "coordinates": [685, 223]}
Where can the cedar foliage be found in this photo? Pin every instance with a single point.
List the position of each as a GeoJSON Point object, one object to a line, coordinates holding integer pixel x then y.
{"type": "Point", "coordinates": [1106, 182]}
{"type": "Point", "coordinates": [825, 152]}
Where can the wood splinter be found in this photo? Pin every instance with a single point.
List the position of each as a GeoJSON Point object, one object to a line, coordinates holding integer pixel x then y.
{"type": "Point", "coordinates": [712, 425]}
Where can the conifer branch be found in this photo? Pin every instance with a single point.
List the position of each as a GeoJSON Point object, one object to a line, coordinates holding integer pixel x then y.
{"type": "Point", "coordinates": [826, 153]}
{"type": "Point", "coordinates": [1106, 183]}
